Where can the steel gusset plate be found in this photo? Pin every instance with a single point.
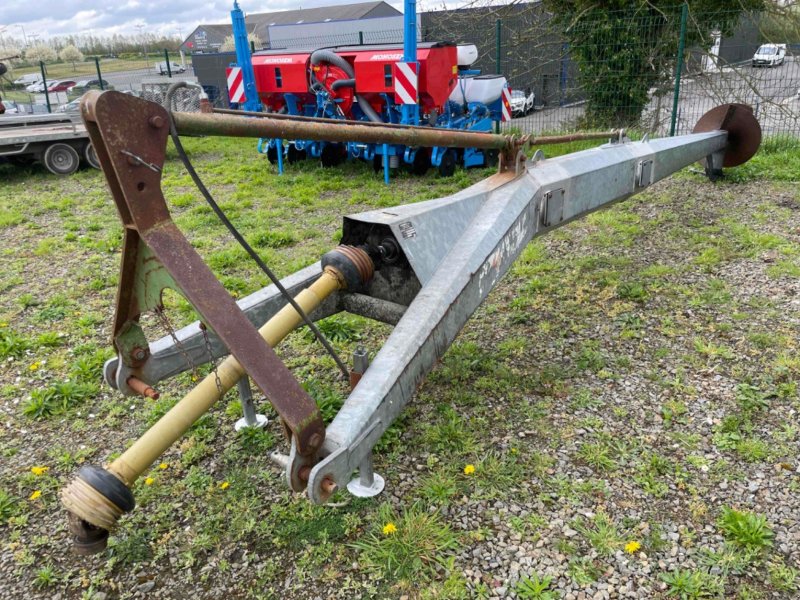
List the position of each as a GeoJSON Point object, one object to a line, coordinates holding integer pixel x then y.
{"type": "Point", "coordinates": [744, 131]}
{"type": "Point", "coordinates": [130, 136]}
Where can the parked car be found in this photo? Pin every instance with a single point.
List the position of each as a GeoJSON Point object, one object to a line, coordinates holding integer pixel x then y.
{"type": "Point", "coordinates": [28, 79]}
{"type": "Point", "coordinates": [770, 55]}
{"type": "Point", "coordinates": [73, 106]}
{"type": "Point", "coordinates": [37, 88]}
{"type": "Point", "coordinates": [174, 67]}
{"type": "Point", "coordinates": [60, 86]}
{"type": "Point", "coordinates": [89, 84]}
{"type": "Point", "coordinates": [521, 103]}
{"type": "Point", "coordinates": [11, 107]}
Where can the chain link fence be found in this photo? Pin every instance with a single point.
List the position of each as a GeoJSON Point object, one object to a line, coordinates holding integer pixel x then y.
{"type": "Point", "coordinates": [23, 89]}
{"type": "Point", "coordinates": [654, 71]}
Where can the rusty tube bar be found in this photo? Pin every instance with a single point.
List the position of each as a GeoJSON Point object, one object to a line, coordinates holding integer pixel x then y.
{"type": "Point", "coordinates": [549, 139]}
{"type": "Point", "coordinates": [308, 128]}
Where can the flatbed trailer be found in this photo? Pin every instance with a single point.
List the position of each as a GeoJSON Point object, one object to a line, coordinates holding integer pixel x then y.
{"type": "Point", "coordinates": [59, 141]}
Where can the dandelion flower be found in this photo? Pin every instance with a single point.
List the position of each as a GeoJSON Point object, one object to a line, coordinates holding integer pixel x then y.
{"type": "Point", "coordinates": [224, 485]}
{"type": "Point", "coordinates": [149, 481]}
{"type": "Point", "coordinates": [389, 529]}
{"type": "Point", "coordinates": [3, 324]}
{"type": "Point", "coordinates": [632, 546]}
{"type": "Point", "coordinates": [39, 470]}
{"type": "Point", "coordinates": [33, 366]}
{"type": "Point", "coordinates": [163, 466]}
{"type": "Point", "coordinates": [469, 469]}
{"type": "Point", "coordinates": [35, 494]}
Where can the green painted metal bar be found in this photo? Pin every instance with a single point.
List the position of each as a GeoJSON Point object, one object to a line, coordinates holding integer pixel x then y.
{"type": "Point", "coordinates": [99, 75]}
{"type": "Point", "coordinates": [679, 67]}
{"type": "Point", "coordinates": [44, 79]}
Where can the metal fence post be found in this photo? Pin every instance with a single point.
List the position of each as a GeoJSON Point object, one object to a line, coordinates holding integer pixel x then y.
{"type": "Point", "coordinates": [498, 30]}
{"type": "Point", "coordinates": [99, 75]}
{"type": "Point", "coordinates": [360, 38]}
{"type": "Point", "coordinates": [679, 67]}
{"type": "Point", "coordinates": [166, 60]}
{"type": "Point", "coordinates": [44, 79]}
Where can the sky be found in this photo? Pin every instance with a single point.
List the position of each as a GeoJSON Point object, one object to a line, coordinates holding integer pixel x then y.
{"type": "Point", "coordinates": [42, 19]}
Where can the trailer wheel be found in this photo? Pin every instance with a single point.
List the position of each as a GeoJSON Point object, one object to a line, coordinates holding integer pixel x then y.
{"type": "Point", "coordinates": [272, 155]}
{"type": "Point", "coordinates": [332, 155]}
{"type": "Point", "coordinates": [448, 165]}
{"type": "Point", "coordinates": [61, 159]}
{"type": "Point", "coordinates": [90, 156]}
{"type": "Point", "coordinates": [294, 155]}
{"type": "Point", "coordinates": [421, 162]}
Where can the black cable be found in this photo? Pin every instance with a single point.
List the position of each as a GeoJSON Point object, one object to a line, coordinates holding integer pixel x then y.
{"type": "Point", "coordinates": [239, 238]}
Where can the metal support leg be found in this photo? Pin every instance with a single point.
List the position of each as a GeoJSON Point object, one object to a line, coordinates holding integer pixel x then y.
{"type": "Point", "coordinates": [250, 418]}
{"type": "Point", "coordinates": [280, 156]}
{"type": "Point", "coordinates": [368, 483]}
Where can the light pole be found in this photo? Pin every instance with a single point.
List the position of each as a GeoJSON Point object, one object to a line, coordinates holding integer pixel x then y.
{"type": "Point", "coordinates": [144, 44]}
{"type": "Point", "coordinates": [24, 37]}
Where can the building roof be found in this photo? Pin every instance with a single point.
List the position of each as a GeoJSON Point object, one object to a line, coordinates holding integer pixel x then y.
{"type": "Point", "coordinates": [259, 23]}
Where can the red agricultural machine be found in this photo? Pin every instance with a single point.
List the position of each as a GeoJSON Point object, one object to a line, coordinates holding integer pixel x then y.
{"type": "Point", "coordinates": [422, 84]}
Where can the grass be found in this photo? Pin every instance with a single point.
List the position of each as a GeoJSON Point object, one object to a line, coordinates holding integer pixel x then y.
{"type": "Point", "coordinates": [409, 546]}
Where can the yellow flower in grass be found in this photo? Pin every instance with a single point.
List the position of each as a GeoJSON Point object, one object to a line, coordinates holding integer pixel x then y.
{"type": "Point", "coordinates": [389, 529]}
{"type": "Point", "coordinates": [469, 469]}
{"type": "Point", "coordinates": [632, 546]}
{"type": "Point", "coordinates": [224, 485]}
{"type": "Point", "coordinates": [39, 470]}
{"type": "Point", "coordinates": [163, 466]}
{"type": "Point", "coordinates": [35, 494]}
{"type": "Point", "coordinates": [34, 366]}
{"type": "Point", "coordinates": [149, 481]}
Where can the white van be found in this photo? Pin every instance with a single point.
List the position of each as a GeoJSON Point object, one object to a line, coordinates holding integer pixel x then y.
{"type": "Point", "coordinates": [28, 79]}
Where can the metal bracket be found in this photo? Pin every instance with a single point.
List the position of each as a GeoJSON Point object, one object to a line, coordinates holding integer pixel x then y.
{"type": "Point", "coordinates": [644, 173]}
{"type": "Point", "coordinates": [552, 211]}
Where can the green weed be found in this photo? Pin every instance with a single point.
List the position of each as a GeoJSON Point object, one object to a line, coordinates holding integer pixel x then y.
{"type": "Point", "coordinates": [534, 588]}
{"type": "Point", "coordinates": [745, 529]}
{"type": "Point", "coordinates": [687, 584]}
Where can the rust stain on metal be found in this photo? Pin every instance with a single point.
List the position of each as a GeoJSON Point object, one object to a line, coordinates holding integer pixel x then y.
{"type": "Point", "coordinates": [117, 122]}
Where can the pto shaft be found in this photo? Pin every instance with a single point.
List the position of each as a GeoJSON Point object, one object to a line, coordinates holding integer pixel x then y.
{"type": "Point", "coordinates": [138, 458]}
{"type": "Point", "coordinates": [97, 497]}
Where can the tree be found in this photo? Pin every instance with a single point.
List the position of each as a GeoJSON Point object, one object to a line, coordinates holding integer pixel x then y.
{"type": "Point", "coordinates": [40, 53]}
{"type": "Point", "coordinates": [71, 54]}
{"type": "Point", "coordinates": [229, 45]}
{"type": "Point", "coordinates": [623, 48]}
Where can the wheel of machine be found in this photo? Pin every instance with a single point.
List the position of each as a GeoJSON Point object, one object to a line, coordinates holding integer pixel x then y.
{"type": "Point", "coordinates": [61, 159]}
{"type": "Point", "coordinates": [294, 155]}
{"type": "Point", "coordinates": [90, 156]}
{"type": "Point", "coordinates": [448, 165]}
{"type": "Point", "coordinates": [332, 155]}
{"type": "Point", "coordinates": [377, 163]}
{"type": "Point", "coordinates": [422, 162]}
{"type": "Point", "coordinates": [272, 155]}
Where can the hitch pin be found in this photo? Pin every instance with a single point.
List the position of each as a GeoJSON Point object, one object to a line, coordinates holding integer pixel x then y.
{"type": "Point", "coordinates": [141, 388]}
{"type": "Point", "coordinates": [133, 159]}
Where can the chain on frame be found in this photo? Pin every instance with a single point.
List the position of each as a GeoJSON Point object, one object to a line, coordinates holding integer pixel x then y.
{"type": "Point", "coordinates": [162, 317]}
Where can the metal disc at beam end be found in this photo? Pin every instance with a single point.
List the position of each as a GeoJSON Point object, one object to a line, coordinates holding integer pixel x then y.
{"type": "Point", "coordinates": [744, 131]}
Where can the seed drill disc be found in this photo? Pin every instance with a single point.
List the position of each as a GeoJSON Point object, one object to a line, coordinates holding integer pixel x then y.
{"type": "Point", "coordinates": [744, 132]}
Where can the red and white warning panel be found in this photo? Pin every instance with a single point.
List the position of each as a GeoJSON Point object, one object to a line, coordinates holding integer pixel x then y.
{"type": "Point", "coordinates": [235, 84]}
{"type": "Point", "coordinates": [405, 83]}
{"type": "Point", "coordinates": [506, 103]}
